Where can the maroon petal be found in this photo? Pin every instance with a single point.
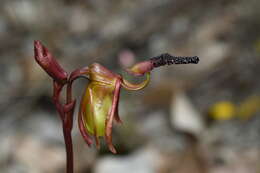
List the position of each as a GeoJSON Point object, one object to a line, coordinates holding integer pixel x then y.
{"type": "Point", "coordinates": [117, 118]}
{"type": "Point", "coordinates": [109, 123]}
{"type": "Point", "coordinates": [82, 128]}
{"type": "Point", "coordinates": [84, 133]}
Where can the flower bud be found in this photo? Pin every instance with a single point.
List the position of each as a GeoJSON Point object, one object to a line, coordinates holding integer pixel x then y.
{"type": "Point", "coordinates": [45, 59]}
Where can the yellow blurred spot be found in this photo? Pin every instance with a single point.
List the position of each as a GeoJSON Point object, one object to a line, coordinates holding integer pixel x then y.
{"type": "Point", "coordinates": [222, 111]}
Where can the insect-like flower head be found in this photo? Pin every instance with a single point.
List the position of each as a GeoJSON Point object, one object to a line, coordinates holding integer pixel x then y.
{"type": "Point", "coordinates": [99, 104]}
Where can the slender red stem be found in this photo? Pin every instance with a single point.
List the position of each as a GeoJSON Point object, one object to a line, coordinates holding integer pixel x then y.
{"type": "Point", "coordinates": [68, 111]}
{"type": "Point", "coordinates": [68, 128]}
{"type": "Point", "coordinates": [69, 149]}
{"type": "Point", "coordinates": [66, 115]}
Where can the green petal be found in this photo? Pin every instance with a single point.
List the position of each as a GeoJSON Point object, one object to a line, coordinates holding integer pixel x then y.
{"type": "Point", "coordinates": [97, 107]}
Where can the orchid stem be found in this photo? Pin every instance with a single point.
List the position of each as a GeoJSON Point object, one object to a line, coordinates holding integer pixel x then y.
{"type": "Point", "coordinates": [69, 149]}
{"type": "Point", "coordinates": [68, 128]}
{"type": "Point", "coordinates": [66, 115]}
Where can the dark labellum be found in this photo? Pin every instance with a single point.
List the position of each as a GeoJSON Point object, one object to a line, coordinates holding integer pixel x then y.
{"type": "Point", "coordinates": [168, 59]}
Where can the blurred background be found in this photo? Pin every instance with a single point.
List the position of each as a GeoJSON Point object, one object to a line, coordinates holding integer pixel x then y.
{"type": "Point", "coordinates": [191, 118]}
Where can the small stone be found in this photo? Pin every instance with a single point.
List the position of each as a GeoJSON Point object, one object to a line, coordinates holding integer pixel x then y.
{"type": "Point", "coordinates": [142, 161]}
{"type": "Point", "coordinates": [184, 115]}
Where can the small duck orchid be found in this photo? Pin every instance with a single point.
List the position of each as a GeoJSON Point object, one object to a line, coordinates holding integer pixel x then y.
{"type": "Point", "coordinates": [99, 103]}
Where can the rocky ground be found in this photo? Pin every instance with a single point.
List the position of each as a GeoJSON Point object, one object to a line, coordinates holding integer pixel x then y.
{"type": "Point", "coordinates": [168, 127]}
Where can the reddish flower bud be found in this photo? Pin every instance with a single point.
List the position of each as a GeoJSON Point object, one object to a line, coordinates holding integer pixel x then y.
{"type": "Point", "coordinates": [45, 59]}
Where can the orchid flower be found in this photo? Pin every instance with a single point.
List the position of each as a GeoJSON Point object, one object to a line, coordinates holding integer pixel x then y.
{"type": "Point", "coordinates": [99, 104]}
